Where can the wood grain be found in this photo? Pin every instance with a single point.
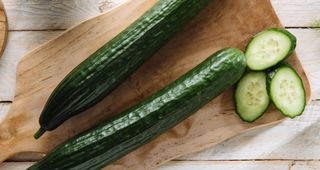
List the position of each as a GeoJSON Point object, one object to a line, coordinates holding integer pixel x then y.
{"type": "Point", "coordinates": [15, 166]}
{"type": "Point", "coordinates": [43, 68]}
{"type": "Point", "coordinates": [53, 15]}
{"type": "Point", "coordinates": [4, 109]}
{"type": "Point", "coordinates": [210, 165]}
{"type": "Point", "coordinates": [305, 165]}
{"type": "Point", "coordinates": [61, 14]}
{"type": "Point", "coordinates": [185, 165]}
{"type": "Point", "coordinates": [226, 165]}
{"type": "Point", "coordinates": [242, 165]}
{"type": "Point", "coordinates": [19, 43]}
{"type": "Point", "coordinates": [308, 50]}
{"type": "Point", "coordinates": [44, 15]}
{"type": "Point", "coordinates": [296, 139]}
{"type": "Point", "coordinates": [294, 13]}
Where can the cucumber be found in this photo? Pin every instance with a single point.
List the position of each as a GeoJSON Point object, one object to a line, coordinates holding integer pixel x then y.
{"type": "Point", "coordinates": [153, 116]}
{"type": "Point", "coordinates": [251, 96]}
{"type": "Point", "coordinates": [268, 48]}
{"type": "Point", "coordinates": [105, 69]}
{"type": "Point", "coordinates": [286, 90]}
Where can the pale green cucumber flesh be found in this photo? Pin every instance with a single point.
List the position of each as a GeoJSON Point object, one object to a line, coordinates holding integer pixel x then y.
{"type": "Point", "coordinates": [287, 91]}
{"type": "Point", "coordinates": [268, 48]}
{"type": "Point", "coordinates": [251, 96]}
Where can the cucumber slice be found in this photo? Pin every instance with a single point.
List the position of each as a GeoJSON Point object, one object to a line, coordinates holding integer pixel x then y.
{"type": "Point", "coordinates": [286, 91]}
{"type": "Point", "coordinates": [268, 48]}
{"type": "Point", "coordinates": [251, 96]}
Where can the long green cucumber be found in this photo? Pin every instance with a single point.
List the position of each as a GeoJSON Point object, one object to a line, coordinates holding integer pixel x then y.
{"type": "Point", "coordinates": [143, 122]}
{"type": "Point", "coordinates": [105, 69]}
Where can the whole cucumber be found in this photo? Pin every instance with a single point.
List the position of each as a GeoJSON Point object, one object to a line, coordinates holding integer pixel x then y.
{"type": "Point", "coordinates": [148, 119]}
{"type": "Point", "coordinates": [105, 69]}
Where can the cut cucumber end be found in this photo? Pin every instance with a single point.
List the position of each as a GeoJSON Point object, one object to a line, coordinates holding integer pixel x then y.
{"type": "Point", "coordinates": [268, 48]}
{"type": "Point", "coordinates": [287, 91]}
{"type": "Point", "coordinates": [251, 96]}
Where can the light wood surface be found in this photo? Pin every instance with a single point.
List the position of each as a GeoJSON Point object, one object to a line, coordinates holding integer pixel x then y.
{"type": "Point", "coordinates": [298, 138]}
{"type": "Point", "coordinates": [53, 15]}
{"type": "Point", "coordinates": [210, 165]}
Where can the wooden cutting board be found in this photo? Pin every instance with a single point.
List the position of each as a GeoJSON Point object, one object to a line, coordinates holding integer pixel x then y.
{"type": "Point", "coordinates": [224, 23]}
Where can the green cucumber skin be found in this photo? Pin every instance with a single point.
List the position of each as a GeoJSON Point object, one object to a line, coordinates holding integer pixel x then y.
{"type": "Point", "coordinates": [104, 70]}
{"type": "Point", "coordinates": [138, 125]}
{"type": "Point", "coordinates": [292, 38]}
{"type": "Point", "coordinates": [270, 74]}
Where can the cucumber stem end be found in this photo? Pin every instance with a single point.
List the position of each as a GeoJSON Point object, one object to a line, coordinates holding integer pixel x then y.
{"type": "Point", "coordinates": [39, 133]}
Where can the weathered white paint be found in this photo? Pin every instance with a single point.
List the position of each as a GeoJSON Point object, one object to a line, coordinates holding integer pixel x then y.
{"type": "Point", "coordinates": [297, 13]}
{"type": "Point", "coordinates": [306, 165]}
{"type": "Point", "coordinates": [59, 14]}
{"type": "Point", "coordinates": [226, 165]}
{"type": "Point", "coordinates": [296, 139]}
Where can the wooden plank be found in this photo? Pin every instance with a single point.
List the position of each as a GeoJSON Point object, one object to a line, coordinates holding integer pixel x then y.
{"type": "Point", "coordinates": [297, 13]}
{"type": "Point", "coordinates": [308, 50]}
{"type": "Point", "coordinates": [297, 139]}
{"type": "Point", "coordinates": [15, 165]}
{"type": "Point", "coordinates": [58, 14]}
{"type": "Point", "coordinates": [19, 43]}
{"type": "Point", "coordinates": [225, 165]}
{"type": "Point", "coordinates": [41, 15]}
{"type": "Point", "coordinates": [4, 109]}
{"type": "Point", "coordinates": [61, 14]}
{"type": "Point", "coordinates": [190, 165]}
{"type": "Point", "coordinates": [305, 165]}
{"type": "Point", "coordinates": [208, 165]}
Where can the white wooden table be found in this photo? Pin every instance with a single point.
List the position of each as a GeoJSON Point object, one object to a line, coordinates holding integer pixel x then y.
{"type": "Point", "coordinates": [292, 144]}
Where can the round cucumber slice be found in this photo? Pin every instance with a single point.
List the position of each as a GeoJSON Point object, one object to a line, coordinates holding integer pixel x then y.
{"type": "Point", "coordinates": [268, 48]}
{"type": "Point", "coordinates": [251, 96]}
{"type": "Point", "coordinates": [287, 91]}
